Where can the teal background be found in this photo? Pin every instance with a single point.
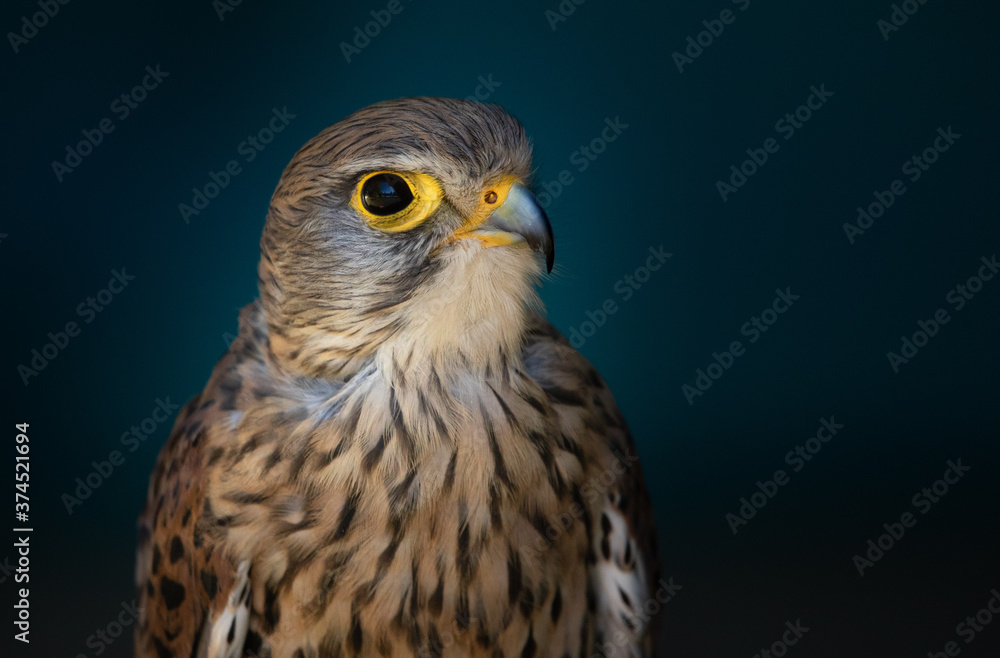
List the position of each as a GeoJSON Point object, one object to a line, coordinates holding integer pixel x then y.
{"type": "Point", "coordinates": [654, 185]}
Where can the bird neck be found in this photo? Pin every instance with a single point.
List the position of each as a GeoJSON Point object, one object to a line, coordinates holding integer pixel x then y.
{"type": "Point", "coordinates": [474, 322]}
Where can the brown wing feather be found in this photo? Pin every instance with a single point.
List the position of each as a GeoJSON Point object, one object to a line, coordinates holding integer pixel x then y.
{"type": "Point", "coordinates": [625, 569]}
{"type": "Point", "coordinates": [180, 581]}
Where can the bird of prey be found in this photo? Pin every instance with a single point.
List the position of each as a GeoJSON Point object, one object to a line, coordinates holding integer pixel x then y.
{"type": "Point", "coordinates": [398, 455]}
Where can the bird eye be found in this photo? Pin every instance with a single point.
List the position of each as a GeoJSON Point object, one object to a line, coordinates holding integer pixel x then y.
{"type": "Point", "coordinates": [392, 201]}
{"type": "Point", "coordinates": [385, 194]}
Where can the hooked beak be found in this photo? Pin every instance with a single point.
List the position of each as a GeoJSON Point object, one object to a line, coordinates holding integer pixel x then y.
{"type": "Point", "coordinates": [519, 218]}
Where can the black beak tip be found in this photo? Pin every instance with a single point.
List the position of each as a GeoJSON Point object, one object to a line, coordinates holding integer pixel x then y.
{"type": "Point", "coordinates": [549, 245]}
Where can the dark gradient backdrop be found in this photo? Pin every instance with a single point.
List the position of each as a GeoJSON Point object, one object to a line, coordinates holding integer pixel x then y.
{"type": "Point", "coordinates": [654, 185]}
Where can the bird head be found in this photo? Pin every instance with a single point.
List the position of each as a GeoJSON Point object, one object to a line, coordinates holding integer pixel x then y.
{"type": "Point", "coordinates": [406, 231]}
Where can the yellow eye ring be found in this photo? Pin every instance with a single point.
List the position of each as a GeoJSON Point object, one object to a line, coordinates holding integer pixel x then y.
{"type": "Point", "coordinates": [374, 188]}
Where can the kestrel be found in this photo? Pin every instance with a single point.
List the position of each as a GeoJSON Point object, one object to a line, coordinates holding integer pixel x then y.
{"type": "Point", "coordinates": [399, 455]}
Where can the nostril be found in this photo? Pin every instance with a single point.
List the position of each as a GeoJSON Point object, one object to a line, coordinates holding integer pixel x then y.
{"type": "Point", "coordinates": [491, 197]}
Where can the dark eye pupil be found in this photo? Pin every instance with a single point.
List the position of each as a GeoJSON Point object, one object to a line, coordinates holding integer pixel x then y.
{"type": "Point", "coordinates": [385, 194]}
